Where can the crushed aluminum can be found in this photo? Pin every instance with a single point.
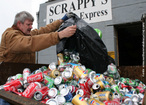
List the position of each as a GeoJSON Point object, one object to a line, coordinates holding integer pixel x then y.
{"type": "Point", "coordinates": [52, 92]}
{"type": "Point", "coordinates": [26, 73]}
{"type": "Point", "coordinates": [52, 102]}
{"type": "Point", "coordinates": [52, 66]}
{"type": "Point", "coordinates": [61, 99]}
{"type": "Point", "coordinates": [79, 100]}
{"type": "Point", "coordinates": [67, 94]}
{"type": "Point", "coordinates": [41, 93]}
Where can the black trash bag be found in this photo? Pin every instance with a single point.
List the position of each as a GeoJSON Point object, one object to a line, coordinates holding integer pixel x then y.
{"type": "Point", "coordinates": [92, 51]}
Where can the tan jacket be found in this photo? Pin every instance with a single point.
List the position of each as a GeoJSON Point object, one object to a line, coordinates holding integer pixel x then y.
{"type": "Point", "coordinates": [19, 48]}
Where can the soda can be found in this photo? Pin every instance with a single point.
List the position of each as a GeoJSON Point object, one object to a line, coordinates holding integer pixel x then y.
{"type": "Point", "coordinates": [61, 99]}
{"type": "Point", "coordinates": [61, 68]}
{"type": "Point", "coordinates": [31, 89]}
{"type": "Point", "coordinates": [128, 101]}
{"type": "Point", "coordinates": [114, 102]}
{"type": "Point", "coordinates": [52, 92]}
{"type": "Point", "coordinates": [78, 70]}
{"type": "Point", "coordinates": [67, 74]}
{"type": "Point", "coordinates": [83, 84]}
{"type": "Point", "coordinates": [79, 100]}
{"type": "Point", "coordinates": [48, 81]}
{"type": "Point", "coordinates": [92, 101]}
{"type": "Point", "coordinates": [89, 82]}
{"type": "Point", "coordinates": [104, 96]}
{"type": "Point", "coordinates": [52, 66]}
{"type": "Point", "coordinates": [95, 88]}
{"type": "Point", "coordinates": [41, 93]}
{"type": "Point", "coordinates": [101, 84]}
{"type": "Point", "coordinates": [88, 70]}
{"type": "Point", "coordinates": [99, 77]}
{"type": "Point", "coordinates": [52, 101]}
{"type": "Point", "coordinates": [60, 58]}
{"type": "Point", "coordinates": [72, 89]}
{"type": "Point", "coordinates": [19, 76]}
{"type": "Point", "coordinates": [67, 94]}
{"type": "Point", "coordinates": [39, 77]}
{"type": "Point", "coordinates": [58, 80]}
{"type": "Point", "coordinates": [83, 93]}
{"type": "Point", "coordinates": [12, 86]}
{"type": "Point", "coordinates": [115, 88]}
{"type": "Point", "coordinates": [75, 77]}
{"type": "Point", "coordinates": [54, 73]}
{"type": "Point", "coordinates": [107, 87]}
{"type": "Point", "coordinates": [61, 86]}
{"type": "Point", "coordinates": [135, 98]}
{"type": "Point", "coordinates": [110, 80]}
{"type": "Point", "coordinates": [68, 103]}
{"type": "Point", "coordinates": [26, 73]}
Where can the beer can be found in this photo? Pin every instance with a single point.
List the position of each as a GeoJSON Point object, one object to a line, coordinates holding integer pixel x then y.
{"type": "Point", "coordinates": [61, 99]}
{"type": "Point", "coordinates": [52, 92]}
{"type": "Point", "coordinates": [105, 95]}
{"type": "Point", "coordinates": [54, 73]}
{"type": "Point", "coordinates": [39, 77]}
{"type": "Point", "coordinates": [52, 101]}
{"type": "Point", "coordinates": [101, 84]}
{"type": "Point", "coordinates": [78, 70]}
{"type": "Point", "coordinates": [31, 89]}
{"type": "Point", "coordinates": [26, 73]}
{"type": "Point", "coordinates": [67, 94]}
{"type": "Point", "coordinates": [52, 66]}
{"type": "Point", "coordinates": [60, 58]}
{"type": "Point", "coordinates": [100, 77]}
{"type": "Point", "coordinates": [79, 100]}
{"type": "Point", "coordinates": [41, 93]}
{"type": "Point", "coordinates": [95, 88]}
{"type": "Point", "coordinates": [110, 80]}
{"type": "Point", "coordinates": [92, 101]}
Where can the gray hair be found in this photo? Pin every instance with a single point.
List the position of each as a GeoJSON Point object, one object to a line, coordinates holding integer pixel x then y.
{"type": "Point", "coordinates": [22, 16]}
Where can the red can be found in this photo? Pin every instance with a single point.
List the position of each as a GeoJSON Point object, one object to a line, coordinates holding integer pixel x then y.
{"type": "Point", "coordinates": [41, 93]}
{"type": "Point", "coordinates": [83, 93]}
{"type": "Point", "coordinates": [72, 88]}
{"type": "Point", "coordinates": [39, 77]}
{"type": "Point", "coordinates": [89, 82]}
{"type": "Point", "coordinates": [31, 89]}
{"type": "Point", "coordinates": [26, 73]}
{"type": "Point", "coordinates": [84, 85]}
{"type": "Point", "coordinates": [13, 85]}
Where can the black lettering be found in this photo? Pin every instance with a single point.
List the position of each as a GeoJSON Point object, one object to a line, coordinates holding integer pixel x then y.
{"type": "Point", "coordinates": [81, 15]}
{"type": "Point", "coordinates": [51, 20]}
{"type": "Point", "coordinates": [56, 10]}
{"type": "Point", "coordinates": [85, 3]}
{"type": "Point", "coordinates": [51, 11]}
{"type": "Point", "coordinates": [90, 15]}
{"type": "Point", "coordinates": [104, 2]}
{"type": "Point", "coordinates": [72, 7]}
{"type": "Point", "coordinates": [80, 2]}
{"type": "Point", "coordinates": [93, 3]}
{"type": "Point", "coordinates": [106, 12]}
{"type": "Point", "coordinates": [64, 10]}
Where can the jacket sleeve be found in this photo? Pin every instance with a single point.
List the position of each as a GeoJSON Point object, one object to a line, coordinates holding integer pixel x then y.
{"type": "Point", "coordinates": [41, 39]}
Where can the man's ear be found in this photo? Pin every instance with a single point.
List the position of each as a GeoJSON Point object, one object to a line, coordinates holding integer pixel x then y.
{"type": "Point", "coordinates": [18, 24]}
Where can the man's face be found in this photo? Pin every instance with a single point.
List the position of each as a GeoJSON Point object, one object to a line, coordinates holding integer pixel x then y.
{"type": "Point", "coordinates": [25, 27]}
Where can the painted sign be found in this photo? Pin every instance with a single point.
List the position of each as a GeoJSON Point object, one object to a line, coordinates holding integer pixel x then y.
{"type": "Point", "coordinates": [89, 10]}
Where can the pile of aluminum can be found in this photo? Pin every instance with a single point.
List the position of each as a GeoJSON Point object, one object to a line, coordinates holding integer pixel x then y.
{"type": "Point", "coordinates": [70, 83]}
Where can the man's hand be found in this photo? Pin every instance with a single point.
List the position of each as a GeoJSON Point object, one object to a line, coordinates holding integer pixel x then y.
{"type": "Point", "coordinates": [67, 32]}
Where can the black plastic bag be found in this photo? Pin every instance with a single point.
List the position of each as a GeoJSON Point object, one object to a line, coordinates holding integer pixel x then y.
{"type": "Point", "coordinates": [86, 41]}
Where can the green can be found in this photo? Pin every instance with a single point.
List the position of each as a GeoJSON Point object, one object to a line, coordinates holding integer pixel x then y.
{"type": "Point", "coordinates": [48, 81]}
